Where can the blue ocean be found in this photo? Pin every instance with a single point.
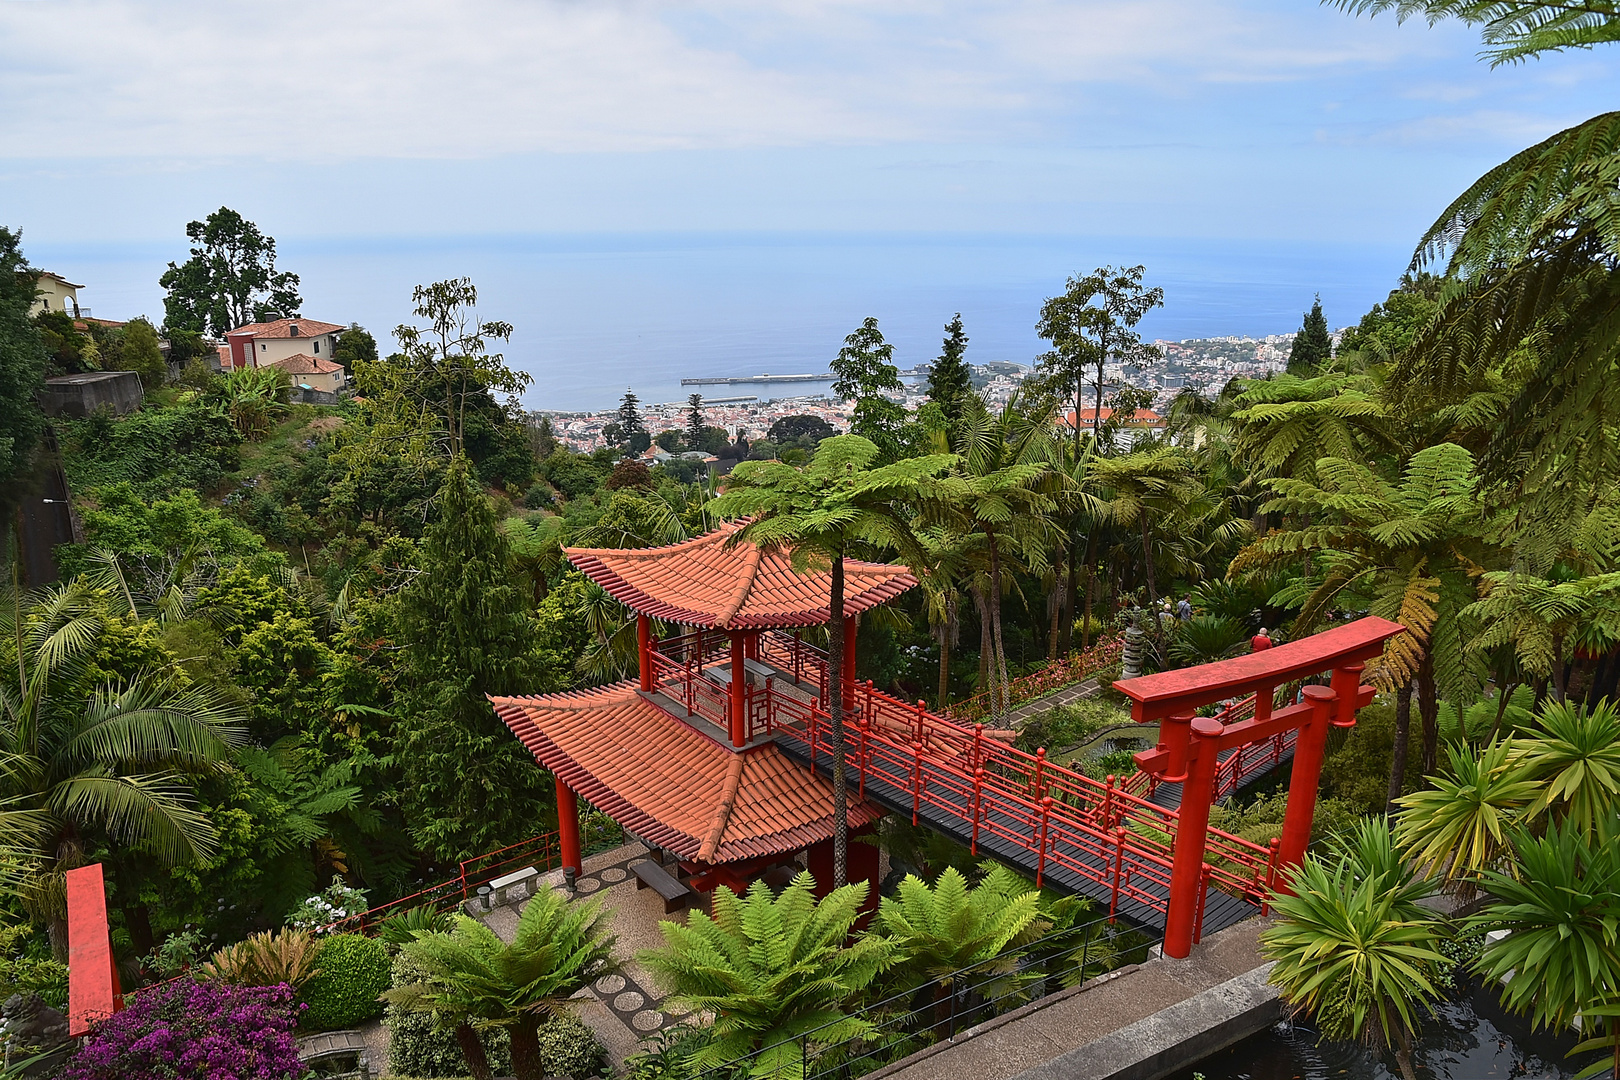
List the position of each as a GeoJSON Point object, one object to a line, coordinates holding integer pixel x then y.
{"type": "Point", "coordinates": [597, 314]}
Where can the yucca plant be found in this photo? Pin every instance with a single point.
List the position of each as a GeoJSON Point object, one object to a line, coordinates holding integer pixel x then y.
{"type": "Point", "coordinates": [775, 972]}
{"type": "Point", "coordinates": [1459, 825]}
{"type": "Point", "coordinates": [1353, 948]}
{"type": "Point", "coordinates": [1572, 755]}
{"type": "Point", "coordinates": [1204, 638]}
{"type": "Point", "coordinates": [266, 959]}
{"type": "Point", "coordinates": [1561, 911]}
{"type": "Point", "coordinates": [472, 979]}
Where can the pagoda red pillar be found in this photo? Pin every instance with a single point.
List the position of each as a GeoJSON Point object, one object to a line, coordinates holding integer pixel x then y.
{"type": "Point", "coordinates": [1192, 829]}
{"type": "Point", "coordinates": [644, 649]}
{"type": "Point", "coordinates": [568, 827]}
{"type": "Point", "coordinates": [93, 990]}
{"type": "Point", "coordinates": [1309, 748]}
{"type": "Point", "coordinates": [739, 691]}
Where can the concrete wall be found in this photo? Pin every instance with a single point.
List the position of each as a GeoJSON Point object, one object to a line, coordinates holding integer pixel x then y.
{"type": "Point", "coordinates": [81, 395]}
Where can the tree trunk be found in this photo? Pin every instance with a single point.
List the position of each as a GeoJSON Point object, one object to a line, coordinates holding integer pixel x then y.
{"type": "Point", "coordinates": [1403, 1056]}
{"type": "Point", "coordinates": [835, 691]}
{"type": "Point", "coordinates": [1091, 587]}
{"type": "Point", "coordinates": [1403, 731]}
{"type": "Point", "coordinates": [1055, 601]}
{"type": "Point", "coordinates": [472, 1048]}
{"type": "Point", "coordinates": [995, 617]}
{"type": "Point", "coordinates": [947, 630]}
{"type": "Point", "coordinates": [1147, 564]}
{"type": "Point", "coordinates": [1559, 674]}
{"type": "Point", "coordinates": [985, 649]}
{"type": "Point", "coordinates": [138, 921]}
{"type": "Point", "coordinates": [526, 1063]}
{"type": "Point", "coordinates": [1429, 712]}
{"type": "Point", "coordinates": [1071, 595]}
{"type": "Point", "coordinates": [1504, 694]}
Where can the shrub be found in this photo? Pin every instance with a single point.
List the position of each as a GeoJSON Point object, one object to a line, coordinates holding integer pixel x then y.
{"type": "Point", "coordinates": [569, 1048]}
{"type": "Point", "coordinates": [322, 910]}
{"type": "Point", "coordinates": [266, 959]}
{"type": "Point", "coordinates": [353, 972]}
{"type": "Point", "coordinates": [420, 1048]}
{"type": "Point", "coordinates": [186, 1028]}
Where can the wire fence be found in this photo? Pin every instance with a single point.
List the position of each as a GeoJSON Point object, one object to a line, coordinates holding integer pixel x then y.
{"type": "Point", "coordinates": [951, 1005]}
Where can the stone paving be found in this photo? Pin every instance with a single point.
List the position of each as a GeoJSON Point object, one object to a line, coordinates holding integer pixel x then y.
{"type": "Point", "coordinates": [1069, 694]}
{"type": "Point", "coordinates": [626, 1007]}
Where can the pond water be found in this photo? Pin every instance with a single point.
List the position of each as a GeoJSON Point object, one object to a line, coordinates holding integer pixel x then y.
{"type": "Point", "coordinates": [1468, 1039]}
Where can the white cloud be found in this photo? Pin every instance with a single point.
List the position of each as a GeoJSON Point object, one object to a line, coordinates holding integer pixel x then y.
{"type": "Point", "coordinates": [306, 81]}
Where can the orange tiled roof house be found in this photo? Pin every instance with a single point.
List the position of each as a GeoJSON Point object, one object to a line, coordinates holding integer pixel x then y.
{"type": "Point", "coordinates": [685, 756]}
{"type": "Point", "coordinates": [262, 344]}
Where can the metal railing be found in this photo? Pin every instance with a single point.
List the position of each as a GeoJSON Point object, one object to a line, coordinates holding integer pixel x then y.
{"type": "Point", "coordinates": [941, 1008]}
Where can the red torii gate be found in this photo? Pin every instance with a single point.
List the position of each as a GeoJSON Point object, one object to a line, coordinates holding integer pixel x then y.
{"type": "Point", "coordinates": [1190, 746]}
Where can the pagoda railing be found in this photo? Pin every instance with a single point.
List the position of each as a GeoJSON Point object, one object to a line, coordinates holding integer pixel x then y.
{"type": "Point", "coordinates": [1097, 830]}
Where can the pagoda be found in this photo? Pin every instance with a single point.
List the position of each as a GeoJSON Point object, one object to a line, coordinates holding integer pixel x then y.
{"type": "Point", "coordinates": [684, 756]}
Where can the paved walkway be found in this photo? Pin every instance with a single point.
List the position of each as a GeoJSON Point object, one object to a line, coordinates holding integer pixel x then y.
{"type": "Point", "coordinates": [1144, 1021]}
{"type": "Point", "coordinates": [1066, 696]}
{"type": "Point", "coordinates": [624, 1008]}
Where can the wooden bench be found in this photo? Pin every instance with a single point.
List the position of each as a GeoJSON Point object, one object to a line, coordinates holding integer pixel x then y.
{"type": "Point", "coordinates": [498, 888]}
{"type": "Point", "coordinates": [650, 875]}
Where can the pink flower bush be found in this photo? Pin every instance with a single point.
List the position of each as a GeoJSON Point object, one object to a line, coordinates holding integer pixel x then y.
{"type": "Point", "coordinates": [1054, 676]}
{"type": "Point", "coordinates": [198, 1031]}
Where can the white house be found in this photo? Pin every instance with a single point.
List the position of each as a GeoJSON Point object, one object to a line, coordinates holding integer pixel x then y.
{"type": "Point", "coordinates": [263, 344]}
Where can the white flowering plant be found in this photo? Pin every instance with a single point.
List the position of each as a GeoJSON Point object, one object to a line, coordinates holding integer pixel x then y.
{"type": "Point", "coordinates": [321, 912]}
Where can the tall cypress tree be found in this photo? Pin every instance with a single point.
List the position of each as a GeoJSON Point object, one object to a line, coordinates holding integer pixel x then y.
{"type": "Point", "coordinates": [1313, 345]}
{"type": "Point", "coordinates": [22, 372]}
{"type": "Point", "coordinates": [950, 381]}
{"type": "Point", "coordinates": [470, 787]}
{"type": "Point", "coordinates": [694, 422]}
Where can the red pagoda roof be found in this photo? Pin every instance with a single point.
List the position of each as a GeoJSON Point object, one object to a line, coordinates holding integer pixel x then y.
{"type": "Point", "coordinates": [669, 783]}
{"type": "Point", "coordinates": [702, 582]}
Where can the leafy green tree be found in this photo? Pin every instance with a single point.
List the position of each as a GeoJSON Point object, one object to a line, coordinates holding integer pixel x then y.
{"type": "Point", "coordinates": [821, 513]}
{"type": "Point", "coordinates": [1390, 327]}
{"type": "Point", "coordinates": [465, 633]}
{"type": "Point", "coordinates": [1093, 322]}
{"type": "Point", "coordinates": [864, 372]}
{"type": "Point", "coordinates": [1145, 489]}
{"type": "Point", "coordinates": [113, 761]}
{"type": "Point", "coordinates": [471, 979]}
{"type": "Point", "coordinates": [694, 421]}
{"type": "Point", "coordinates": [355, 346]}
{"type": "Point", "coordinates": [950, 380]}
{"type": "Point", "coordinates": [1543, 620]}
{"type": "Point", "coordinates": [22, 370]}
{"type": "Point", "coordinates": [1402, 550]}
{"type": "Point", "coordinates": [1313, 345]}
{"type": "Point", "coordinates": [772, 971]}
{"type": "Point", "coordinates": [811, 429]}
{"type": "Point", "coordinates": [1352, 946]}
{"type": "Point", "coordinates": [230, 280]}
{"type": "Point", "coordinates": [142, 355]}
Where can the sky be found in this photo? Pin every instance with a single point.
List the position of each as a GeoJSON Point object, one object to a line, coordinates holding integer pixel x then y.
{"type": "Point", "coordinates": [349, 130]}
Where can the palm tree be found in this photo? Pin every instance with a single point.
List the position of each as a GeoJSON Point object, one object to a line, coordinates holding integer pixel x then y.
{"type": "Point", "coordinates": [1399, 549]}
{"type": "Point", "coordinates": [820, 513]}
{"type": "Point", "coordinates": [940, 930]}
{"type": "Point", "coordinates": [1560, 906]}
{"type": "Point", "coordinates": [773, 971]}
{"type": "Point", "coordinates": [1352, 946]}
{"type": "Point", "coordinates": [1540, 619]}
{"type": "Point", "coordinates": [942, 594]}
{"type": "Point", "coordinates": [474, 980]}
{"type": "Point", "coordinates": [1144, 487]}
{"type": "Point", "coordinates": [536, 545]}
{"type": "Point", "coordinates": [1284, 424]}
{"type": "Point", "coordinates": [1005, 492]}
{"type": "Point", "coordinates": [117, 764]}
{"type": "Point", "coordinates": [1528, 251]}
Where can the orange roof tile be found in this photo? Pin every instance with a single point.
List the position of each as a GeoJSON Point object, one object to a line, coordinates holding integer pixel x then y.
{"type": "Point", "coordinates": [669, 783]}
{"type": "Point", "coordinates": [283, 328]}
{"type": "Point", "coordinates": [305, 364]}
{"type": "Point", "coordinates": [702, 582]}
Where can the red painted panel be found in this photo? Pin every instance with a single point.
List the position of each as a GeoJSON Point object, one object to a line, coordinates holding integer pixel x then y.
{"type": "Point", "coordinates": [92, 977]}
{"type": "Point", "coordinates": [1169, 692]}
